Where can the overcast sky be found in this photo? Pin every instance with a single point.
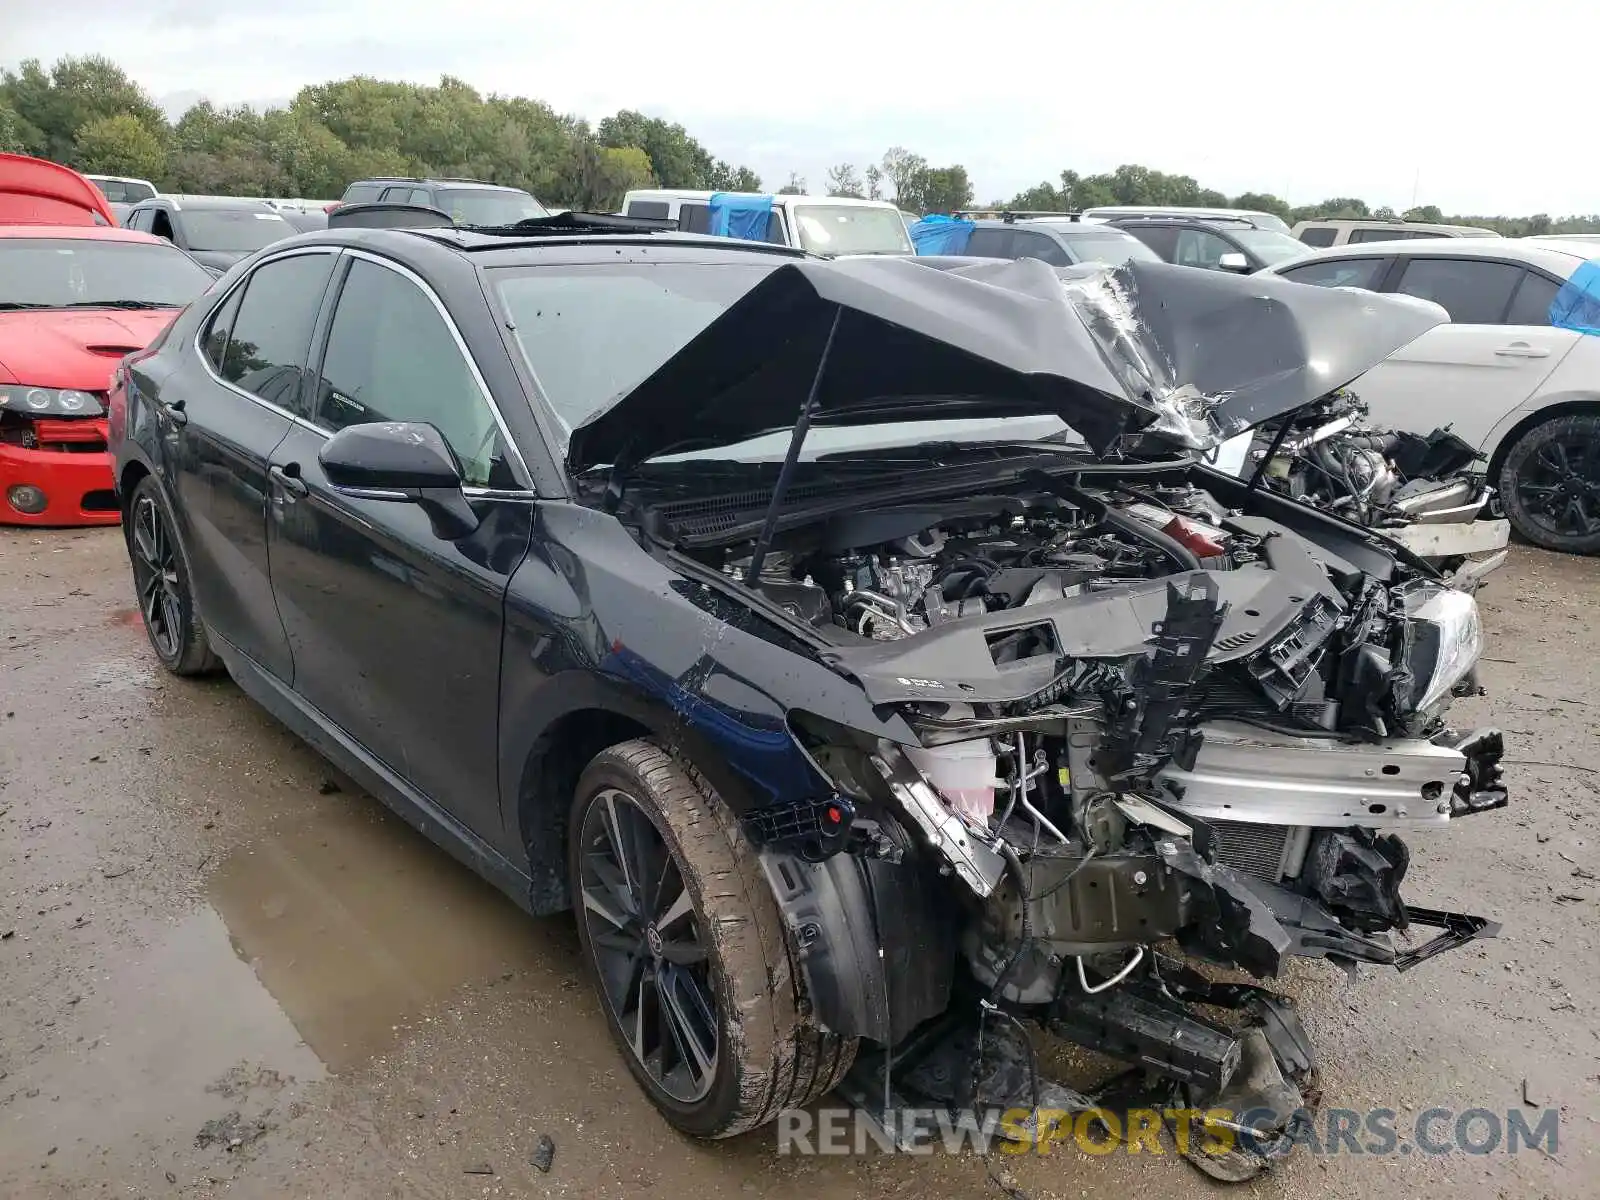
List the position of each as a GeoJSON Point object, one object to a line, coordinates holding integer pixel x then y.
{"type": "Point", "coordinates": [1473, 107]}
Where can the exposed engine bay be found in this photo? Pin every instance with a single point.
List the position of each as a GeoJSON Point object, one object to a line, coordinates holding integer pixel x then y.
{"type": "Point", "coordinates": [1143, 715]}
{"type": "Point", "coordinates": [1014, 716]}
{"type": "Point", "coordinates": [1332, 455]}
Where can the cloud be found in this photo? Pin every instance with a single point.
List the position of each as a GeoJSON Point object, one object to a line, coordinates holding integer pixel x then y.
{"type": "Point", "coordinates": [1369, 99]}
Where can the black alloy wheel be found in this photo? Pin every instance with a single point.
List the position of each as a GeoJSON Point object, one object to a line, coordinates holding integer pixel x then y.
{"type": "Point", "coordinates": [161, 582]}
{"type": "Point", "coordinates": [1550, 485]}
{"type": "Point", "coordinates": [648, 952]}
{"type": "Point", "coordinates": [688, 952]}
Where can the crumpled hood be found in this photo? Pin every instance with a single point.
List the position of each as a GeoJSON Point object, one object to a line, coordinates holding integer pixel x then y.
{"type": "Point", "coordinates": [1230, 351]}
{"type": "Point", "coordinates": [1145, 347]}
{"type": "Point", "coordinates": [76, 348]}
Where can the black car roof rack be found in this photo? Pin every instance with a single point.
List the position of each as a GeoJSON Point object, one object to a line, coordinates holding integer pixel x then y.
{"type": "Point", "coordinates": [1011, 215]}
{"type": "Point", "coordinates": [1199, 218]}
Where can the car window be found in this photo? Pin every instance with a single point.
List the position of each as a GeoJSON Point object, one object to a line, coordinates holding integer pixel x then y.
{"type": "Point", "coordinates": [989, 243]}
{"type": "Point", "coordinates": [1200, 248]}
{"type": "Point", "coordinates": [271, 334]}
{"type": "Point", "coordinates": [392, 357]}
{"type": "Point", "coordinates": [1380, 234]}
{"type": "Point", "coordinates": [1531, 304]}
{"type": "Point", "coordinates": [394, 195]}
{"type": "Point", "coordinates": [591, 334]}
{"type": "Point", "coordinates": [234, 230]}
{"type": "Point", "coordinates": [421, 196]}
{"type": "Point", "coordinates": [1163, 239]}
{"type": "Point", "coordinates": [362, 193]}
{"type": "Point", "coordinates": [1471, 291]}
{"type": "Point", "coordinates": [1103, 244]}
{"type": "Point", "coordinates": [1339, 272]}
{"type": "Point", "coordinates": [694, 218]}
{"type": "Point", "coordinates": [215, 342]}
{"type": "Point", "coordinates": [142, 219]}
{"type": "Point", "coordinates": [1318, 237]}
{"type": "Point", "coordinates": [1026, 243]}
{"type": "Point", "coordinates": [655, 209]}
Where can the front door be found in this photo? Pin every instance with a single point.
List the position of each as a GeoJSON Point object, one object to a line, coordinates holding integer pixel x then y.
{"type": "Point", "coordinates": [253, 358]}
{"type": "Point", "coordinates": [396, 632]}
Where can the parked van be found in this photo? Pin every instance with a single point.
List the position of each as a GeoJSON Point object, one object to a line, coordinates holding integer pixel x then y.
{"type": "Point", "coordinates": [1254, 218]}
{"type": "Point", "coordinates": [1343, 231]}
{"type": "Point", "coordinates": [830, 225]}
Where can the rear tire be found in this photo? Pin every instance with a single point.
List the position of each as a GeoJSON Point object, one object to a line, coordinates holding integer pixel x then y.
{"type": "Point", "coordinates": [690, 927]}
{"type": "Point", "coordinates": [1550, 484]}
{"type": "Point", "coordinates": [162, 584]}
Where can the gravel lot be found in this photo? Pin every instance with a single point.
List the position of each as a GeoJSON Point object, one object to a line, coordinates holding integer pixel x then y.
{"type": "Point", "coordinates": [225, 971]}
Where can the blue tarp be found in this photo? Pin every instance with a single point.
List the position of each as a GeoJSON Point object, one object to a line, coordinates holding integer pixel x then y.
{"type": "Point", "coordinates": [740, 215]}
{"type": "Point", "coordinates": [1577, 304]}
{"type": "Point", "coordinates": [941, 235]}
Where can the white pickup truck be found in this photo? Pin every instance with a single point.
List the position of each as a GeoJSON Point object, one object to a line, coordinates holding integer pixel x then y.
{"type": "Point", "coordinates": [830, 225]}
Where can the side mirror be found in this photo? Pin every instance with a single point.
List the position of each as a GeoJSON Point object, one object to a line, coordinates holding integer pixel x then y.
{"type": "Point", "coordinates": [1234, 261]}
{"type": "Point", "coordinates": [403, 461]}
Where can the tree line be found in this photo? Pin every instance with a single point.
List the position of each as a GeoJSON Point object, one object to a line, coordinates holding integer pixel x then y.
{"type": "Point", "coordinates": [88, 113]}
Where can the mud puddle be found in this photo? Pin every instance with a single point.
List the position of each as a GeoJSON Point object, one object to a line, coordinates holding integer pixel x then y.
{"type": "Point", "coordinates": [357, 925]}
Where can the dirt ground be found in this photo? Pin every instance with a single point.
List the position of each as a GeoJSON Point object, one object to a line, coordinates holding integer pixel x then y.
{"type": "Point", "coordinates": [224, 971]}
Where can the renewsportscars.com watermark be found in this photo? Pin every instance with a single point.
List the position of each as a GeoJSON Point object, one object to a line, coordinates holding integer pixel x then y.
{"type": "Point", "coordinates": [1332, 1131]}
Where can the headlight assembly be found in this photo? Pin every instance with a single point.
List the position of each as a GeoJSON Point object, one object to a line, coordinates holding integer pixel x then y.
{"type": "Point", "coordinates": [1443, 642]}
{"type": "Point", "coordinates": [50, 402]}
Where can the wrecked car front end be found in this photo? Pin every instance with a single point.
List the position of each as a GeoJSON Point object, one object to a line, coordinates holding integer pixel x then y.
{"type": "Point", "coordinates": [1116, 706]}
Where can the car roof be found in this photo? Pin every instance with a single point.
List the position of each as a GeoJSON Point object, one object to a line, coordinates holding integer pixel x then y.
{"type": "Point", "coordinates": [432, 181]}
{"type": "Point", "coordinates": [507, 250]}
{"type": "Point", "coordinates": [1211, 222]}
{"type": "Point", "coordinates": [1586, 244]}
{"type": "Point", "coordinates": [1066, 226]}
{"type": "Point", "coordinates": [1551, 255]}
{"type": "Point", "coordinates": [1385, 222]}
{"type": "Point", "coordinates": [197, 203]}
{"type": "Point", "coordinates": [699, 194]}
{"type": "Point", "coordinates": [98, 233]}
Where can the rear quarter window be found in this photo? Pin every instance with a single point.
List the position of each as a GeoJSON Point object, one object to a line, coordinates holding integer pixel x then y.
{"type": "Point", "coordinates": [1318, 237]}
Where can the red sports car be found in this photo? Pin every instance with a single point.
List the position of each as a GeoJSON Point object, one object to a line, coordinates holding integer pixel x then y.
{"type": "Point", "coordinates": [76, 294]}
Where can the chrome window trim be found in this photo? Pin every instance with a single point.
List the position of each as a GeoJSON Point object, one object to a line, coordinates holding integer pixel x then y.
{"type": "Point", "coordinates": [200, 332]}
{"type": "Point", "coordinates": [310, 427]}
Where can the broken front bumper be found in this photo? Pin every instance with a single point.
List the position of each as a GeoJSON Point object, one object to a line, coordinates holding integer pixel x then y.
{"type": "Point", "coordinates": [1452, 539]}
{"type": "Point", "coordinates": [76, 485]}
{"type": "Point", "coordinates": [1244, 774]}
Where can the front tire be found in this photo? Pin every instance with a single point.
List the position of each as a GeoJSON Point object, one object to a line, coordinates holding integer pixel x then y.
{"type": "Point", "coordinates": [687, 950]}
{"type": "Point", "coordinates": [162, 582]}
{"type": "Point", "coordinates": [1550, 484]}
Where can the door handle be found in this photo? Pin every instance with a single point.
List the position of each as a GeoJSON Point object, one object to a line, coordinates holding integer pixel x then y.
{"type": "Point", "coordinates": [1522, 350]}
{"type": "Point", "coordinates": [288, 478]}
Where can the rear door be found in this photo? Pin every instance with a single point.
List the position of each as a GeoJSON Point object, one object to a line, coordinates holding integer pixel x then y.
{"type": "Point", "coordinates": [244, 399]}
{"type": "Point", "coordinates": [1496, 352]}
{"type": "Point", "coordinates": [395, 633]}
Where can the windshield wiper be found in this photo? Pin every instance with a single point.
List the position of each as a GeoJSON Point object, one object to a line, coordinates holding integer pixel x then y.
{"type": "Point", "coordinates": [140, 304]}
